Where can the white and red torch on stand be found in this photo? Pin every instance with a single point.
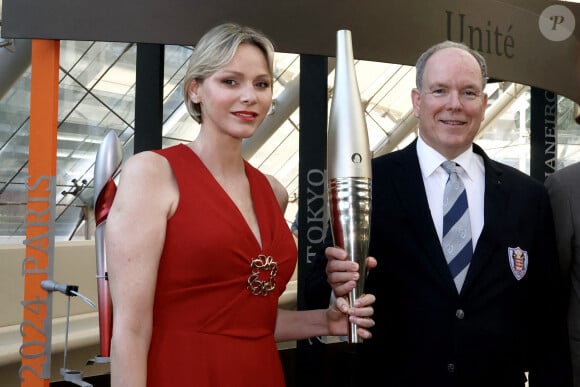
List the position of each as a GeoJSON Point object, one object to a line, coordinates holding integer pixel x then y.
{"type": "Point", "coordinates": [349, 167]}
{"type": "Point", "coordinates": [108, 161]}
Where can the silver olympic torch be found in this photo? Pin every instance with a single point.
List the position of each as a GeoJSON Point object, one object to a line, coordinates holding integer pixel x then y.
{"type": "Point", "coordinates": [108, 161]}
{"type": "Point", "coordinates": [349, 167]}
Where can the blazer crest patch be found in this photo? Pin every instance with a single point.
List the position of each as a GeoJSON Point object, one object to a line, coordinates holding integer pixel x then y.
{"type": "Point", "coordinates": [518, 260]}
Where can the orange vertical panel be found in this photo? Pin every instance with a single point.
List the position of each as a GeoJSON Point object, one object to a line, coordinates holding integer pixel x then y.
{"type": "Point", "coordinates": [36, 327]}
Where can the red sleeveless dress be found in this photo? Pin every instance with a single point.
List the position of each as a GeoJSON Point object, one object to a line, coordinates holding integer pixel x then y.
{"type": "Point", "coordinates": [215, 311]}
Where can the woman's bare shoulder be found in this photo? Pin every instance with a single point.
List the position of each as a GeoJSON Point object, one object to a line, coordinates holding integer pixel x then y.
{"type": "Point", "coordinates": [280, 192]}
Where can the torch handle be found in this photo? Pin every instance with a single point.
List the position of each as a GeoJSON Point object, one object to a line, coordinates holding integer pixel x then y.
{"type": "Point", "coordinates": [350, 208]}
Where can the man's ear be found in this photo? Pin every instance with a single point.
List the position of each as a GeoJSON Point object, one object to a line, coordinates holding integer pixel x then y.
{"type": "Point", "coordinates": [416, 100]}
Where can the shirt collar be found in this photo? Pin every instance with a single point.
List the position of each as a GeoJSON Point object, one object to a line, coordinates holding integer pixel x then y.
{"type": "Point", "coordinates": [430, 159]}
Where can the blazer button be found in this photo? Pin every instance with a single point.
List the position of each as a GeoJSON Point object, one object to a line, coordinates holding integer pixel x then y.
{"type": "Point", "coordinates": [451, 368]}
{"type": "Point", "coordinates": [459, 314]}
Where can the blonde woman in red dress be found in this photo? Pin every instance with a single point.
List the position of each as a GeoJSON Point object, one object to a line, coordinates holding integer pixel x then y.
{"type": "Point", "coordinates": [195, 284]}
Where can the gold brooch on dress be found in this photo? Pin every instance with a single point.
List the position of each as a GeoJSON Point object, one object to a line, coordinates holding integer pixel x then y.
{"type": "Point", "coordinates": [262, 266]}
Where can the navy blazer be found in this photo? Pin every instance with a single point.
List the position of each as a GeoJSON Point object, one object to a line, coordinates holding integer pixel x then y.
{"type": "Point", "coordinates": [499, 326]}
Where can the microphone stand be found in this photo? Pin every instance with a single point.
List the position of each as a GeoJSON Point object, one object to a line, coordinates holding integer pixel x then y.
{"type": "Point", "coordinates": [72, 376]}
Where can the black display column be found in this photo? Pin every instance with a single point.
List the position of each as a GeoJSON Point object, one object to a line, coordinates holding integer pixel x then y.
{"type": "Point", "coordinates": [311, 202]}
{"type": "Point", "coordinates": [543, 141]}
{"type": "Point", "coordinates": [149, 97]}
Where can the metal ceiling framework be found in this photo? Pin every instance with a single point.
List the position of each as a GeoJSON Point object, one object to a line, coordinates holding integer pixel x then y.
{"type": "Point", "coordinates": [97, 89]}
{"type": "Point", "coordinates": [97, 83]}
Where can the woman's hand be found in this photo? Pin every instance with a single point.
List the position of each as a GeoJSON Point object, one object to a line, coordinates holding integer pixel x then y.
{"type": "Point", "coordinates": [339, 315]}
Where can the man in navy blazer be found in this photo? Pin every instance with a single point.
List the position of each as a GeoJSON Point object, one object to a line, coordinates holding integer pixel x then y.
{"type": "Point", "coordinates": [506, 322]}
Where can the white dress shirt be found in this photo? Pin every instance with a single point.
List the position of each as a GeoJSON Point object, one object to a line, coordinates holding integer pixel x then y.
{"type": "Point", "coordinates": [471, 172]}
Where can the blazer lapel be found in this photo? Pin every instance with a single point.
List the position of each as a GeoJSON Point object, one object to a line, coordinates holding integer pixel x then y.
{"type": "Point", "coordinates": [495, 202]}
{"type": "Point", "coordinates": [412, 195]}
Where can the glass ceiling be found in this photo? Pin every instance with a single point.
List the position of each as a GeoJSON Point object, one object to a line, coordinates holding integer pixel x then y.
{"type": "Point", "coordinates": [97, 95]}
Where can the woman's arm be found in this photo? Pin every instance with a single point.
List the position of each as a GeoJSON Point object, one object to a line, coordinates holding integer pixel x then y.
{"type": "Point", "coordinates": [298, 325]}
{"type": "Point", "coordinates": [134, 238]}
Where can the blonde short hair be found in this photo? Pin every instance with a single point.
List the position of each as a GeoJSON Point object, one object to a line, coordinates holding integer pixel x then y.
{"type": "Point", "coordinates": [215, 50]}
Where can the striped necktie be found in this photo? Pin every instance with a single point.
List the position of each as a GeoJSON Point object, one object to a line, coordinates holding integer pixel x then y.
{"type": "Point", "coordinates": [457, 245]}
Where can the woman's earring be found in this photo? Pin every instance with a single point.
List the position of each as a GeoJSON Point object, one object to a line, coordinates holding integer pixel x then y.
{"type": "Point", "coordinates": [272, 110]}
